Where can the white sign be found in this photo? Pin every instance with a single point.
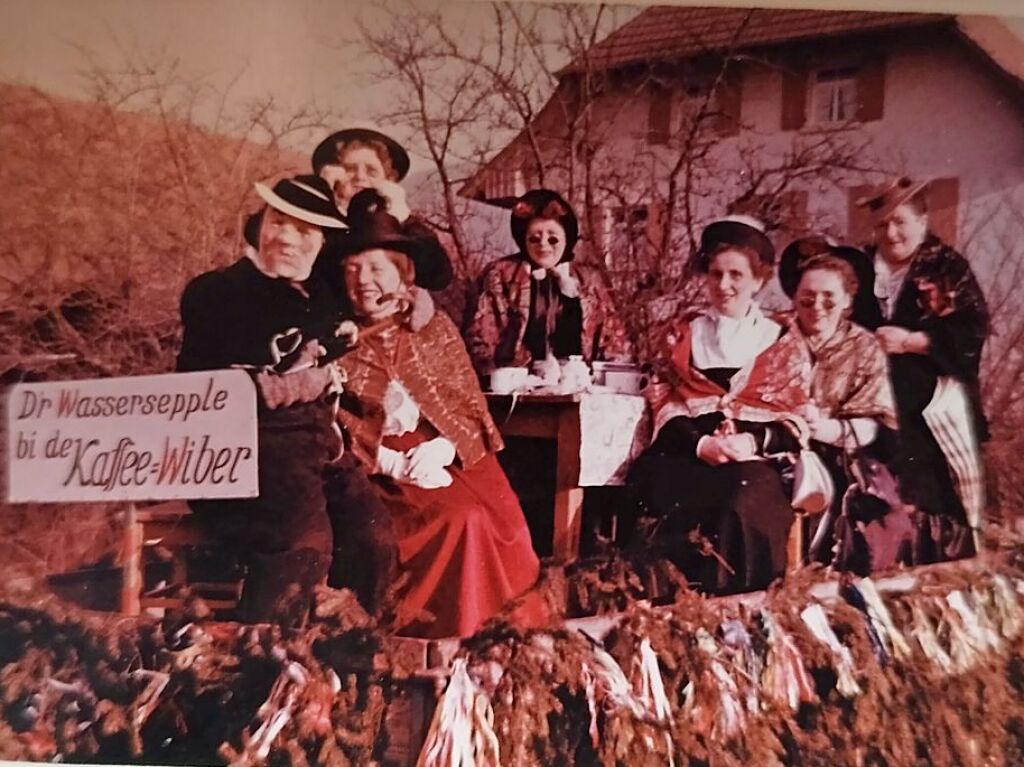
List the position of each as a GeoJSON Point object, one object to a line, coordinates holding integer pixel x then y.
{"type": "Point", "coordinates": [183, 435]}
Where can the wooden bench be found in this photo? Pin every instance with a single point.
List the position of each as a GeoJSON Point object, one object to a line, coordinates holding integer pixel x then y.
{"type": "Point", "coordinates": [172, 526]}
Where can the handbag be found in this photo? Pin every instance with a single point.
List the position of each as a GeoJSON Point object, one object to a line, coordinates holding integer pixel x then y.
{"type": "Point", "coordinates": [813, 489]}
{"type": "Point", "coordinates": [873, 531]}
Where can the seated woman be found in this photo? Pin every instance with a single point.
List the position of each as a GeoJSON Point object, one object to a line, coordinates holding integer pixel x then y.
{"type": "Point", "coordinates": [732, 383]}
{"type": "Point", "coordinates": [539, 303]}
{"type": "Point", "coordinates": [853, 401]}
{"type": "Point", "coordinates": [416, 417]}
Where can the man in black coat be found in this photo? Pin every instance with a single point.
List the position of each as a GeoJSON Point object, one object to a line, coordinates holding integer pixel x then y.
{"type": "Point", "coordinates": [243, 315]}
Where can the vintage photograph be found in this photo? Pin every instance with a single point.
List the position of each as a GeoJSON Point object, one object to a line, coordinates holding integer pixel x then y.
{"type": "Point", "coordinates": [501, 383]}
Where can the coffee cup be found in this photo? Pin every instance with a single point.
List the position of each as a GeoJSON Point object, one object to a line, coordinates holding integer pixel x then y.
{"type": "Point", "coordinates": [508, 380]}
{"type": "Point", "coordinates": [625, 381]}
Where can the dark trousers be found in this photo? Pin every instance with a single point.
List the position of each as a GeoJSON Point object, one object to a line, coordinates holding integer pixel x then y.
{"type": "Point", "coordinates": [365, 552]}
{"type": "Point", "coordinates": [307, 514]}
{"type": "Point", "coordinates": [742, 508]}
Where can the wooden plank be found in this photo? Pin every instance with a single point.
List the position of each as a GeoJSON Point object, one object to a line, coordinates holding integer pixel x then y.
{"type": "Point", "coordinates": [131, 559]}
{"type": "Point", "coordinates": [568, 493]}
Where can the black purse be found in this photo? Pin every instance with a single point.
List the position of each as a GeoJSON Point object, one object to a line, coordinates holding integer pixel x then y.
{"type": "Point", "coordinates": [874, 531]}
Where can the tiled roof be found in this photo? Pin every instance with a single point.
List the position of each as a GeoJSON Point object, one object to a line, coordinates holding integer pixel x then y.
{"type": "Point", "coordinates": [673, 32]}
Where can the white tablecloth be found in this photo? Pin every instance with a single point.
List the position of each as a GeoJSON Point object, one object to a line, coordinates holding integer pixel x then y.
{"type": "Point", "coordinates": [614, 429]}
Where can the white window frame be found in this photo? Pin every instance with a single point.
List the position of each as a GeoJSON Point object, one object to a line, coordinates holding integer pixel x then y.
{"type": "Point", "coordinates": [833, 95]}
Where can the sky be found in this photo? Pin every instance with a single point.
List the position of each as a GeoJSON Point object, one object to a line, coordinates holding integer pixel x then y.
{"type": "Point", "coordinates": [292, 50]}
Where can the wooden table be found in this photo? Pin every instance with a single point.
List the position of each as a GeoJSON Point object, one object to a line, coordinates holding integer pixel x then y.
{"type": "Point", "coordinates": [556, 417]}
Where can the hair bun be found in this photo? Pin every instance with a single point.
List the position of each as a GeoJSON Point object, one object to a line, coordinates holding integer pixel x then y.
{"type": "Point", "coordinates": [365, 204]}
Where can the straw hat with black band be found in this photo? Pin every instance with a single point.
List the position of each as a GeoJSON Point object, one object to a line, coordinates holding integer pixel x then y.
{"type": "Point", "coordinates": [882, 202]}
{"type": "Point", "coordinates": [307, 198]}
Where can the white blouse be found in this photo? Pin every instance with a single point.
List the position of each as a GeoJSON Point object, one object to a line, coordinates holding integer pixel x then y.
{"type": "Point", "coordinates": [718, 341]}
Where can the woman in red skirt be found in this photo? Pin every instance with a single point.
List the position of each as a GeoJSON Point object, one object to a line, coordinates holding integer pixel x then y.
{"type": "Point", "coordinates": [415, 415]}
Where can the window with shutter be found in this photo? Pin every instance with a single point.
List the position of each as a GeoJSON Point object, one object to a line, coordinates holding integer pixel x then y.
{"type": "Point", "coordinates": [659, 114]}
{"type": "Point", "coordinates": [834, 95]}
{"type": "Point", "coordinates": [858, 222]}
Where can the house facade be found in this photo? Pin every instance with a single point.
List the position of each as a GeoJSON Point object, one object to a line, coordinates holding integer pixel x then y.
{"type": "Point", "coordinates": [685, 114]}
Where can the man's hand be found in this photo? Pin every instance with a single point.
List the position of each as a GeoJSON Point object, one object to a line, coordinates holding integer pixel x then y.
{"type": "Point", "coordinates": [280, 390]}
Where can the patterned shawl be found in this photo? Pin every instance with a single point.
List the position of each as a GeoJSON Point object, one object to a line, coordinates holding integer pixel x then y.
{"type": "Point", "coordinates": [495, 335]}
{"type": "Point", "coordinates": [433, 366]}
{"type": "Point", "coordinates": [774, 386]}
{"type": "Point", "coordinates": [851, 375]}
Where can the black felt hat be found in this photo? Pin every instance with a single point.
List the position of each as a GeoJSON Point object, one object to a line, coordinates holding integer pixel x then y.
{"type": "Point", "coordinates": [796, 255]}
{"type": "Point", "coordinates": [326, 152]}
{"type": "Point", "coordinates": [740, 231]}
{"type": "Point", "coordinates": [371, 226]}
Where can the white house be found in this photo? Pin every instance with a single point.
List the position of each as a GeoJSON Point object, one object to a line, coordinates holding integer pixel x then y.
{"type": "Point", "coordinates": [788, 113]}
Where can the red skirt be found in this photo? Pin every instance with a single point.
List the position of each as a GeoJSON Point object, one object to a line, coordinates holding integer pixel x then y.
{"type": "Point", "coordinates": [464, 550]}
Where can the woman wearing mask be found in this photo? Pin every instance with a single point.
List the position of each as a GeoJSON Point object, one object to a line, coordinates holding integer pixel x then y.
{"type": "Point", "coordinates": [539, 304]}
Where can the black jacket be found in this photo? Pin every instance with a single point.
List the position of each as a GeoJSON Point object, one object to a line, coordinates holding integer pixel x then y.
{"type": "Point", "coordinates": [956, 321]}
{"type": "Point", "coordinates": [230, 315]}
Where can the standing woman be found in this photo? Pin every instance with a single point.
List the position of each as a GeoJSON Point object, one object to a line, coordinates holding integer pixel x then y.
{"type": "Point", "coordinates": [539, 303]}
{"type": "Point", "coordinates": [416, 417]}
{"type": "Point", "coordinates": [934, 324]}
{"type": "Point", "coordinates": [354, 159]}
{"type": "Point", "coordinates": [732, 382]}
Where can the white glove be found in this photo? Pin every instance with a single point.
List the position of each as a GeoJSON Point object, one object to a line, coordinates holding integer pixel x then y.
{"type": "Point", "coordinates": [395, 195]}
{"type": "Point", "coordinates": [437, 452]}
{"type": "Point", "coordinates": [568, 285]}
{"type": "Point", "coordinates": [430, 472]}
{"type": "Point", "coordinates": [392, 463]}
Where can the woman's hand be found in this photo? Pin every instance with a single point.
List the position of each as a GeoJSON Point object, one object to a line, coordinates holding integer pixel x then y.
{"type": "Point", "coordinates": [897, 340]}
{"type": "Point", "coordinates": [421, 309]}
{"type": "Point", "coordinates": [828, 430]}
{"type": "Point", "coordinates": [716, 450]}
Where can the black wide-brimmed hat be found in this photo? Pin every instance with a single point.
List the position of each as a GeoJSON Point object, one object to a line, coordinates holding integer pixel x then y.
{"type": "Point", "coordinates": [371, 227]}
{"type": "Point", "coordinates": [799, 252]}
{"type": "Point", "coordinates": [740, 231]}
{"type": "Point", "coordinates": [307, 198]}
{"type": "Point", "coordinates": [883, 200]}
{"type": "Point", "coordinates": [326, 152]}
{"type": "Point", "coordinates": [544, 203]}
